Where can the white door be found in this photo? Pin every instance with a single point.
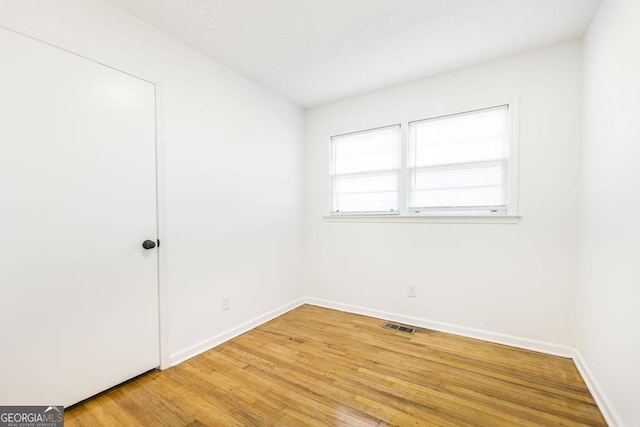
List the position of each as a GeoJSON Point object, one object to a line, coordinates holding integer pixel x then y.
{"type": "Point", "coordinates": [78, 293]}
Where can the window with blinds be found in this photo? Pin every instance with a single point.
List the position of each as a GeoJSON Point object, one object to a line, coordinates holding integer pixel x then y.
{"type": "Point", "coordinates": [458, 164]}
{"type": "Point", "coordinates": [365, 171]}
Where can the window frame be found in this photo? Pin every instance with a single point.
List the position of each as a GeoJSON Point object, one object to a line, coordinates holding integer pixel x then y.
{"type": "Point", "coordinates": [464, 165]}
{"type": "Point", "coordinates": [511, 216]}
{"type": "Point", "coordinates": [332, 173]}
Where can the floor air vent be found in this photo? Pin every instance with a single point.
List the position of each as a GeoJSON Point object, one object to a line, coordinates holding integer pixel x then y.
{"type": "Point", "coordinates": [400, 328]}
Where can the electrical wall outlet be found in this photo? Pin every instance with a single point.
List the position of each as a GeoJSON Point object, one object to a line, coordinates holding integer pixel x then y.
{"type": "Point", "coordinates": [411, 290]}
{"type": "Point", "coordinates": [226, 302]}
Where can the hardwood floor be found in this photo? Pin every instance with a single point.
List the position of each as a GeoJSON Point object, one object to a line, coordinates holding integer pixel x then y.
{"type": "Point", "coordinates": [314, 366]}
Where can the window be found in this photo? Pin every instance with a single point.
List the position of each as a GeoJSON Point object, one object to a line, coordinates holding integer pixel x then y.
{"type": "Point", "coordinates": [458, 164]}
{"type": "Point", "coordinates": [454, 165]}
{"type": "Point", "coordinates": [365, 171]}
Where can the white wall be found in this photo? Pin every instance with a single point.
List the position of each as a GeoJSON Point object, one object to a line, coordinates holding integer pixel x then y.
{"type": "Point", "coordinates": [233, 167]}
{"type": "Point", "coordinates": [610, 237]}
{"type": "Point", "coordinates": [516, 279]}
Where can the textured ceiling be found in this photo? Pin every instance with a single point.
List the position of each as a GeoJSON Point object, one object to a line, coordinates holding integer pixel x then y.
{"type": "Point", "coordinates": [318, 51]}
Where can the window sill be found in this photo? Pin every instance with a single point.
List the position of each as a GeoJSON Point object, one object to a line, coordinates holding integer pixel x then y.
{"type": "Point", "coordinates": [439, 219]}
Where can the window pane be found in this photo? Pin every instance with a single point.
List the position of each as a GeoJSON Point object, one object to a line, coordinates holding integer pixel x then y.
{"type": "Point", "coordinates": [367, 151]}
{"type": "Point", "coordinates": [468, 137]}
{"type": "Point", "coordinates": [366, 184]}
{"type": "Point", "coordinates": [460, 186]}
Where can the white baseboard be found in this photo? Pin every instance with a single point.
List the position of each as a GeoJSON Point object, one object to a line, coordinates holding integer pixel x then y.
{"type": "Point", "coordinates": [498, 338]}
{"type": "Point", "coordinates": [604, 404]}
{"type": "Point", "coordinates": [528, 344]}
{"type": "Point", "coordinates": [214, 341]}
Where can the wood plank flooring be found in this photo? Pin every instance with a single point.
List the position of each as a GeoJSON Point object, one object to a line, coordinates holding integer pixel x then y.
{"type": "Point", "coordinates": [320, 367]}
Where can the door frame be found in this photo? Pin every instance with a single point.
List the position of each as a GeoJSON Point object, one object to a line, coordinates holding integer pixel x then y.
{"type": "Point", "coordinates": [29, 30]}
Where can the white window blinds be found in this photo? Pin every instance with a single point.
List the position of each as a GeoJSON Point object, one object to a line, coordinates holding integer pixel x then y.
{"type": "Point", "coordinates": [365, 169]}
{"type": "Point", "coordinates": [458, 164]}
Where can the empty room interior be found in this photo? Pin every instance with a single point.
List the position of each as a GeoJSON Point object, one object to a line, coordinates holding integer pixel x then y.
{"type": "Point", "coordinates": [319, 212]}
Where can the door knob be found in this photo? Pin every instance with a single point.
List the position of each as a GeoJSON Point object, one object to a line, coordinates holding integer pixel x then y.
{"type": "Point", "coordinates": [148, 244]}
